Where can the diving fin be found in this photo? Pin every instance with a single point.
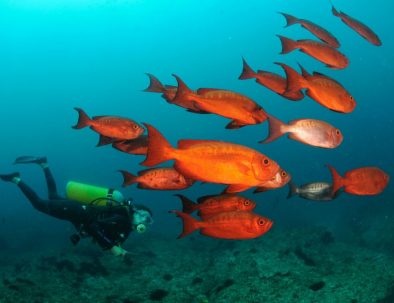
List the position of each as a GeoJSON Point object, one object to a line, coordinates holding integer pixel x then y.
{"type": "Point", "coordinates": [30, 159]}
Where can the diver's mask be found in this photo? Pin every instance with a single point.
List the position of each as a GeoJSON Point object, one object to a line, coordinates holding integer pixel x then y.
{"type": "Point", "coordinates": [141, 219]}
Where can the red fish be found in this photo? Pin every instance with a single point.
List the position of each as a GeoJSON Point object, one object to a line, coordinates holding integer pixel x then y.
{"type": "Point", "coordinates": [235, 225]}
{"type": "Point", "coordinates": [212, 205]}
{"type": "Point", "coordinates": [240, 109]}
{"type": "Point", "coordinates": [318, 50]}
{"type": "Point", "coordinates": [212, 161]}
{"type": "Point", "coordinates": [155, 86]}
{"type": "Point", "coordinates": [321, 88]}
{"type": "Point", "coordinates": [138, 146]}
{"type": "Point", "coordinates": [110, 126]}
{"type": "Point", "coordinates": [315, 29]}
{"type": "Point", "coordinates": [361, 181]}
{"type": "Point", "coordinates": [360, 28]}
{"type": "Point", "coordinates": [279, 180]}
{"type": "Point", "coordinates": [271, 81]}
{"type": "Point", "coordinates": [308, 131]}
{"type": "Point", "coordinates": [168, 93]}
{"type": "Point", "coordinates": [163, 178]}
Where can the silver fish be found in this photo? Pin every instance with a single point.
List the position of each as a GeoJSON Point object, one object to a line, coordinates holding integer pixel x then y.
{"type": "Point", "coordinates": [317, 191]}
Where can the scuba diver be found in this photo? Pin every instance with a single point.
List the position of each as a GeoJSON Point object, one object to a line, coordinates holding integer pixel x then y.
{"type": "Point", "coordinates": [96, 212]}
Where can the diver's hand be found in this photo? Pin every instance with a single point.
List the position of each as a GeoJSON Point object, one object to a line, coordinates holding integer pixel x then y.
{"type": "Point", "coordinates": [118, 251]}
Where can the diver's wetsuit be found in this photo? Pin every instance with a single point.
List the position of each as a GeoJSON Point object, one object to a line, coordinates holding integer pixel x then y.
{"type": "Point", "coordinates": [109, 226]}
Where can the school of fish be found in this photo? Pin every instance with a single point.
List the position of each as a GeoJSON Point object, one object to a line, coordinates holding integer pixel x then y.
{"type": "Point", "coordinates": [229, 215]}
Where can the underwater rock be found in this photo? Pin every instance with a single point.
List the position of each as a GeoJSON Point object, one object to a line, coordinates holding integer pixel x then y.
{"type": "Point", "coordinates": [327, 238]}
{"type": "Point", "coordinates": [317, 286]}
{"type": "Point", "coordinates": [197, 280]}
{"type": "Point", "coordinates": [158, 294]}
{"type": "Point", "coordinates": [389, 297]}
{"type": "Point", "coordinates": [168, 277]}
{"type": "Point", "coordinates": [93, 268]}
{"type": "Point", "coordinates": [304, 257]}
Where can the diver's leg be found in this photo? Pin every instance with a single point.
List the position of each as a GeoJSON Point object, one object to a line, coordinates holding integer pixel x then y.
{"type": "Point", "coordinates": [34, 199]}
{"type": "Point", "coordinates": [51, 184]}
{"type": "Point", "coordinates": [43, 163]}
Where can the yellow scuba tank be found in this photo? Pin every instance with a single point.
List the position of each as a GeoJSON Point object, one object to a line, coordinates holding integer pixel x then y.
{"type": "Point", "coordinates": [93, 195]}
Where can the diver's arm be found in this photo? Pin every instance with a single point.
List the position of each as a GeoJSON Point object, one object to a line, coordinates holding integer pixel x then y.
{"type": "Point", "coordinates": [98, 234]}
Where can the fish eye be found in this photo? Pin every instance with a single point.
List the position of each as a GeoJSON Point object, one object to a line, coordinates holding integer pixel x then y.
{"type": "Point", "coordinates": [261, 222]}
{"type": "Point", "coordinates": [284, 174]}
{"type": "Point", "coordinates": [266, 161]}
{"type": "Point", "coordinates": [135, 126]}
{"type": "Point", "coordinates": [246, 203]}
{"type": "Point", "coordinates": [337, 132]}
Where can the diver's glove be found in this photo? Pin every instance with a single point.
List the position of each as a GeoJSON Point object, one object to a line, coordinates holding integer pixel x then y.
{"type": "Point", "coordinates": [118, 251]}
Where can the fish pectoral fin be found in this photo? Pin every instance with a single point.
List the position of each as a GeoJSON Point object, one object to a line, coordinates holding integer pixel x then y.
{"type": "Point", "coordinates": [200, 106]}
{"type": "Point", "coordinates": [235, 125]}
{"type": "Point", "coordinates": [236, 188]}
{"type": "Point", "coordinates": [197, 111]}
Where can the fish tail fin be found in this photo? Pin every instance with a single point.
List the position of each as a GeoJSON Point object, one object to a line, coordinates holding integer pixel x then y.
{"type": "Point", "coordinates": [188, 206]}
{"type": "Point", "coordinates": [155, 86]}
{"type": "Point", "coordinates": [183, 91]}
{"type": "Point", "coordinates": [128, 178]}
{"type": "Point", "coordinates": [189, 223]}
{"type": "Point", "coordinates": [290, 20]}
{"type": "Point", "coordinates": [83, 119]}
{"type": "Point", "coordinates": [293, 190]}
{"type": "Point", "coordinates": [288, 45]}
{"type": "Point", "coordinates": [159, 149]}
{"type": "Point", "coordinates": [247, 71]}
{"type": "Point", "coordinates": [295, 81]}
{"type": "Point", "coordinates": [337, 180]}
{"type": "Point", "coordinates": [276, 129]}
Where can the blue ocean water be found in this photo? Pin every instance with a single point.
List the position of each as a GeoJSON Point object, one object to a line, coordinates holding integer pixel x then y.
{"type": "Point", "coordinates": [57, 55]}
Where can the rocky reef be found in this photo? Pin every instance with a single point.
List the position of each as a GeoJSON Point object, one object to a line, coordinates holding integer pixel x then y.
{"type": "Point", "coordinates": [298, 265]}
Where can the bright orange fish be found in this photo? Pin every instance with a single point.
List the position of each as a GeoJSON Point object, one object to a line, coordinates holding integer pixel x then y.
{"type": "Point", "coordinates": [138, 146]}
{"type": "Point", "coordinates": [308, 131]}
{"type": "Point", "coordinates": [235, 225]}
{"type": "Point", "coordinates": [212, 161]}
{"type": "Point", "coordinates": [360, 28]}
{"type": "Point", "coordinates": [272, 81]}
{"type": "Point", "coordinates": [168, 93]}
{"type": "Point", "coordinates": [240, 109]}
{"type": "Point", "coordinates": [315, 29]}
{"type": "Point", "coordinates": [318, 50]}
{"type": "Point", "coordinates": [162, 178]}
{"type": "Point", "coordinates": [361, 181]}
{"type": "Point", "coordinates": [279, 180]}
{"type": "Point", "coordinates": [324, 90]}
{"type": "Point", "coordinates": [110, 126]}
{"type": "Point", "coordinates": [212, 205]}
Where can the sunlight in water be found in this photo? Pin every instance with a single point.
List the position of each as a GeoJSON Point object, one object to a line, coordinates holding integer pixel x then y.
{"type": "Point", "coordinates": [61, 4]}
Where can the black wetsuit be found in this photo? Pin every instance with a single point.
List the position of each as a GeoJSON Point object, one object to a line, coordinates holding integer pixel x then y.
{"type": "Point", "coordinates": [109, 226]}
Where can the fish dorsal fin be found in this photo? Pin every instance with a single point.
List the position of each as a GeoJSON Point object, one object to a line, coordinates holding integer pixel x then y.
{"type": "Point", "coordinates": [145, 171]}
{"type": "Point", "coordinates": [202, 91]}
{"type": "Point", "coordinates": [326, 77]}
{"type": "Point", "coordinates": [186, 143]}
{"type": "Point", "coordinates": [304, 72]}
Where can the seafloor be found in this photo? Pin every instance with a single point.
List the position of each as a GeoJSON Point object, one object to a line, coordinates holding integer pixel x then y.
{"type": "Point", "coordinates": [295, 265]}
